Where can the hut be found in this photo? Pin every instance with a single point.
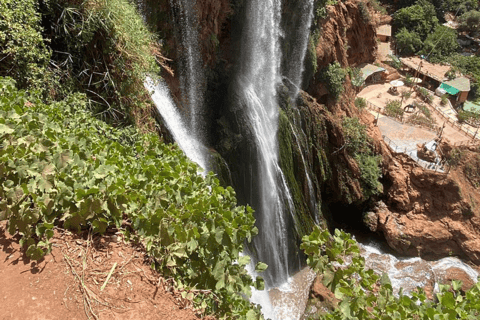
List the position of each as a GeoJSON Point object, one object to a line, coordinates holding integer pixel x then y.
{"type": "Point", "coordinates": [458, 87]}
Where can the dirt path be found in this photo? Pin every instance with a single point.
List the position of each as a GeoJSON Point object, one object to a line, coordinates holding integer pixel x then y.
{"type": "Point", "coordinates": [51, 288]}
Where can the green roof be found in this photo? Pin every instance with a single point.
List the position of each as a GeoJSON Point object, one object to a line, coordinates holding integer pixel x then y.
{"type": "Point", "coordinates": [461, 84]}
{"type": "Point", "coordinates": [369, 69]}
{"type": "Point", "coordinates": [451, 90]}
{"type": "Point", "coordinates": [471, 106]}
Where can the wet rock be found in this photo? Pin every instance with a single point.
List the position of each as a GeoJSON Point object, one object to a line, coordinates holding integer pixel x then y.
{"type": "Point", "coordinates": [324, 294]}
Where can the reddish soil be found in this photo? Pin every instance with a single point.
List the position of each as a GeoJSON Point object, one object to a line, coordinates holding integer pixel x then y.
{"type": "Point", "coordinates": [67, 283]}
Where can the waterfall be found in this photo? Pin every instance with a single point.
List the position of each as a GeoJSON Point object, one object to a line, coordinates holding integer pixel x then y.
{"type": "Point", "coordinates": [193, 149]}
{"type": "Point", "coordinates": [257, 79]}
{"type": "Point", "coordinates": [299, 44]}
{"type": "Point", "coordinates": [191, 71]}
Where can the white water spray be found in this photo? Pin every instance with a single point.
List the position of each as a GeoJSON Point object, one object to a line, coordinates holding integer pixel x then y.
{"type": "Point", "coordinates": [258, 77]}
{"type": "Point", "coordinates": [191, 71]}
{"type": "Point", "coordinates": [296, 65]}
{"type": "Point", "coordinates": [193, 149]}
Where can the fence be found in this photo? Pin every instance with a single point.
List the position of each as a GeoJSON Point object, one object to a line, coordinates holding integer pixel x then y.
{"type": "Point", "coordinates": [453, 123]}
{"type": "Point", "coordinates": [433, 128]}
{"type": "Point", "coordinates": [437, 166]}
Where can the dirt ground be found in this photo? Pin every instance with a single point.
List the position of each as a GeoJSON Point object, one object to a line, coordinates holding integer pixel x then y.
{"type": "Point", "coordinates": [67, 284]}
{"type": "Point", "coordinates": [378, 95]}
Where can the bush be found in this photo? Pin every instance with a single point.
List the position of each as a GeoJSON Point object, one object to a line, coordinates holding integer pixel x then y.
{"type": "Point", "coordinates": [425, 95]}
{"type": "Point", "coordinates": [334, 76]}
{"type": "Point", "coordinates": [394, 109]}
{"type": "Point", "coordinates": [406, 94]}
{"type": "Point", "coordinates": [424, 109]}
{"type": "Point", "coordinates": [470, 21]}
{"type": "Point", "coordinates": [444, 100]}
{"type": "Point", "coordinates": [441, 43]}
{"type": "Point", "coordinates": [454, 157]}
{"type": "Point", "coordinates": [103, 49]}
{"type": "Point", "coordinates": [359, 145]}
{"type": "Point", "coordinates": [408, 42]}
{"type": "Point", "coordinates": [467, 116]}
{"type": "Point", "coordinates": [360, 103]}
{"type": "Point", "coordinates": [61, 166]}
{"type": "Point", "coordinates": [365, 295]}
{"type": "Point", "coordinates": [23, 54]}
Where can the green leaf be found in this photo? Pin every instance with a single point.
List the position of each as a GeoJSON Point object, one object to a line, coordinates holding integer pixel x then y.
{"type": "Point", "coordinates": [4, 129]}
{"type": "Point", "coordinates": [244, 260]}
{"type": "Point", "coordinates": [260, 267]}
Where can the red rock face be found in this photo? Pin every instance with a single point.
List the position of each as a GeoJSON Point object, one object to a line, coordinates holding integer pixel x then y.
{"type": "Point", "coordinates": [346, 37]}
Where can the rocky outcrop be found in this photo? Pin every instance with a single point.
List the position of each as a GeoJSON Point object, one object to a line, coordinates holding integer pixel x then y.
{"type": "Point", "coordinates": [346, 36]}
{"type": "Point", "coordinates": [425, 213]}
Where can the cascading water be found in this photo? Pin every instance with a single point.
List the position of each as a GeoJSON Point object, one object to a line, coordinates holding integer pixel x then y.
{"type": "Point", "coordinates": [193, 149]}
{"type": "Point", "coordinates": [258, 76]}
{"type": "Point", "coordinates": [299, 44]}
{"type": "Point", "coordinates": [191, 71]}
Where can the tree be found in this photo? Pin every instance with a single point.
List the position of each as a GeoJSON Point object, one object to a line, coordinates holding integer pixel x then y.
{"type": "Point", "coordinates": [470, 21]}
{"type": "Point", "coordinates": [442, 42]}
{"type": "Point", "coordinates": [420, 18]}
{"type": "Point", "coordinates": [408, 43]}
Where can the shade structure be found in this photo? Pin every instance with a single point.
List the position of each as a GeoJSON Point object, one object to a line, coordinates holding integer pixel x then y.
{"type": "Point", "coordinates": [449, 89]}
{"type": "Point", "coordinates": [396, 83]}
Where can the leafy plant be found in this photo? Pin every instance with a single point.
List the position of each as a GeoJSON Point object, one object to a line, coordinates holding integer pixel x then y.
{"type": "Point", "coordinates": [360, 103]}
{"type": "Point", "coordinates": [334, 76]}
{"type": "Point", "coordinates": [359, 145]}
{"type": "Point", "coordinates": [61, 166]}
{"type": "Point", "coordinates": [444, 100]}
{"type": "Point", "coordinates": [365, 295]}
{"type": "Point", "coordinates": [394, 109]}
{"type": "Point", "coordinates": [425, 95]}
{"type": "Point", "coordinates": [23, 54]}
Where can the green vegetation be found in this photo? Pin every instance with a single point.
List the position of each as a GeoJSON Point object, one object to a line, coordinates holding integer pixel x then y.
{"type": "Point", "coordinates": [394, 109]}
{"type": "Point", "coordinates": [425, 95]}
{"type": "Point", "coordinates": [360, 103]}
{"type": "Point", "coordinates": [444, 100]}
{"type": "Point", "coordinates": [334, 77]}
{"type": "Point", "coordinates": [470, 21]}
{"type": "Point", "coordinates": [23, 54]}
{"type": "Point", "coordinates": [440, 43]}
{"type": "Point", "coordinates": [366, 295]}
{"type": "Point", "coordinates": [61, 166]}
{"type": "Point", "coordinates": [359, 145]}
{"type": "Point", "coordinates": [467, 116]}
{"type": "Point", "coordinates": [419, 18]}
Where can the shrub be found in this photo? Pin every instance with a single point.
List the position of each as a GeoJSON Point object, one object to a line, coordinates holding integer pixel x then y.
{"type": "Point", "coordinates": [365, 295]}
{"type": "Point", "coordinates": [394, 109]}
{"type": "Point", "coordinates": [334, 76]}
{"type": "Point", "coordinates": [359, 145]}
{"type": "Point", "coordinates": [360, 102]}
{"type": "Point", "coordinates": [470, 21]}
{"type": "Point", "coordinates": [424, 109]}
{"type": "Point", "coordinates": [59, 165]}
{"type": "Point", "coordinates": [406, 94]}
{"type": "Point", "coordinates": [444, 100]}
{"type": "Point", "coordinates": [425, 95]}
{"type": "Point", "coordinates": [408, 80]}
{"type": "Point", "coordinates": [23, 54]}
{"type": "Point", "coordinates": [467, 116]}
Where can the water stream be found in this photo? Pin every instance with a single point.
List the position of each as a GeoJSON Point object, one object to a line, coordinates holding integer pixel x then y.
{"type": "Point", "coordinates": [191, 70]}
{"type": "Point", "coordinates": [257, 79]}
{"type": "Point", "coordinates": [193, 148]}
{"type": "Point", "coordinates": [299, 43]}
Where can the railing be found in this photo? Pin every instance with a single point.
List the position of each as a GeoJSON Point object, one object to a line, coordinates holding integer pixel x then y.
{"type": "Point", "coordinates": [437, 166]}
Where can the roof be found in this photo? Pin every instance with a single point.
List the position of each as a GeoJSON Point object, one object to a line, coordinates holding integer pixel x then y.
{"type": "Point", "coordinates": [434, 71]}
{"type": "Point", "coordinates": [385, 30]}
{"type": "Point", "coordinates": [449, 89]}
{"type": "Point", "coordinates": [460, 83]}
{"type": "Point", "coordinates": [471, 106]}
{"type": "Point", "coordinates": [367, 70]}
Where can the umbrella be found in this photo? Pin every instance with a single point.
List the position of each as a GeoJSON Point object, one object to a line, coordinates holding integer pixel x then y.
{"type": "Point", "coordinates": [396, 83]}
{"type": "Point", "coordinates": [416, 80]}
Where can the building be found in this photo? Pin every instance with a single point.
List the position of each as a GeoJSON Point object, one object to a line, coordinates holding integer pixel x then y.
{"type": "Point", "coordinates": [371, 73]}
{"type": "Point", "coordinates": [384, 33]}
{"type": "Point", "coordinates": [458, 87]}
